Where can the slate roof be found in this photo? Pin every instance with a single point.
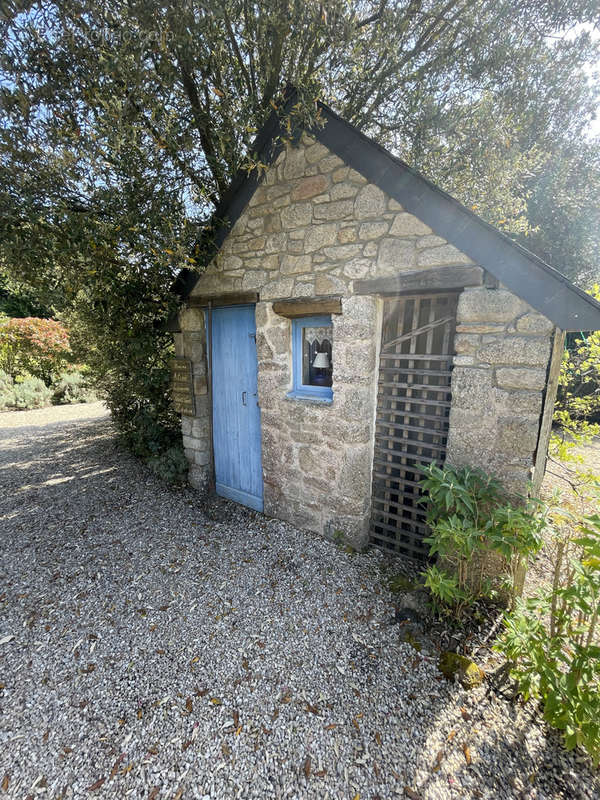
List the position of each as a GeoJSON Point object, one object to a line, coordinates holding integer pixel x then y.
{"type": "Point", "coordinates": [524, 273]}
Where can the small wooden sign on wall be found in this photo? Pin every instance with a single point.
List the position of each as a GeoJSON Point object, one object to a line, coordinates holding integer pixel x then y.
{"type": "Point", "coordinates": [182, 386]}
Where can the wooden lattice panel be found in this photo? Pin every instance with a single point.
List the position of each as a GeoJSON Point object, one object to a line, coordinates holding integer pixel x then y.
{"type": "Point", "coordinates": [413, 406]}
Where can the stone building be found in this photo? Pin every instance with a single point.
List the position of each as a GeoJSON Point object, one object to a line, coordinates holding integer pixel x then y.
{"type": "Point", "coordinates": [354, 323]}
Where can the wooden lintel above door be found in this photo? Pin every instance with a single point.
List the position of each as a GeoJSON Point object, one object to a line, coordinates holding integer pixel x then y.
{"type": "Point", "coordinates": [226, 299]}
{"type": "Point", "coordinates": [307, 306]}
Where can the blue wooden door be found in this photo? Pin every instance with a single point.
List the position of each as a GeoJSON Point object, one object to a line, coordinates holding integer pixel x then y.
{"type": "Point", "coordinates": [236, 415]}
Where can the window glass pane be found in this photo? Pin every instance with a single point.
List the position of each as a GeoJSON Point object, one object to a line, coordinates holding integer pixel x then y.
{"type": "Point", "coordinates": [317, 366]}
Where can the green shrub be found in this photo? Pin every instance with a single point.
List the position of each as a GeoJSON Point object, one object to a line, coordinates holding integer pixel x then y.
{"type": "Point", "coordinates": [72, 387]}
{"type": "Point", "coordinates": [577, 408]}
{"type": "Point", "coordinates": [128, 350]}
{"type": "Point", "coordinates": [171, 465]}
{"type": "Point", "coordinates": [6, 382]}
{"type": "Point", "coordinates": [551, 641]}
{"type": "Point", "coordinates": [7, 391]}
{"type": "Point", "coordinates": [471, 517]}
{"type": "Point", "coordinates": [31, 393]}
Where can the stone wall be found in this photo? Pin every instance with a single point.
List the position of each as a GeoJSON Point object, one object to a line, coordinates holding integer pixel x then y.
{"type": "Point", "coordinates": [314, 226]}
{"type": "Point", "coordinates": [191, 343]}
{"type": "Point", "coordinates": [317, 457]}
{"type": "Point", "coordinates": [502, 353]}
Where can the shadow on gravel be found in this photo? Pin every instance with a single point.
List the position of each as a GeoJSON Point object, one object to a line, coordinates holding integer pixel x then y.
{"type": "Point", "coordinates": [53, 469]}
{"type": "Point", "coordinates": [526, 762]}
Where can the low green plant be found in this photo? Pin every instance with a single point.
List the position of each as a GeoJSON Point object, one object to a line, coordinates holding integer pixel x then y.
{"type": "Point", "coordinates": [445, 589]}
{"type": "Point", "coordinates": [462, 491]}
{"type": "Point", "coordinates": [72, 387]}
{"type": "Point", "coordinates": [6, 382]}
{"type": "Point", "coordinates": [31, 393]}
{"type": "Point", "coordinates": [171, 466]}
{"type": "Point", "coordinates": [516, 532]}
{"type": "Point", "coordinates": [7, 394]}
{"type": "Point", "coordinates": [552, 644]}
{"type": "Point", "coordinates": [471, 516]}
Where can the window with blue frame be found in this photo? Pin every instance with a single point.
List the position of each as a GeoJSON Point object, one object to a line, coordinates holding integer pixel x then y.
{"type": "Point", "coordinates": [312, 339]}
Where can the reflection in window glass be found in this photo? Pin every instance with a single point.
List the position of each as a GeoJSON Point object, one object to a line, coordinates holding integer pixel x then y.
{"type": "Point", "coordinates": [317, 367]}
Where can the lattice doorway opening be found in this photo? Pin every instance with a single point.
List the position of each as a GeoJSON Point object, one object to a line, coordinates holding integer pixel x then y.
{"type": "Point", "coordinates": [413, 406]}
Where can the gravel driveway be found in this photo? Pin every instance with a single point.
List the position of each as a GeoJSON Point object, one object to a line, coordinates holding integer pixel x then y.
{"type": "Point", "coordinates": [155, 647]}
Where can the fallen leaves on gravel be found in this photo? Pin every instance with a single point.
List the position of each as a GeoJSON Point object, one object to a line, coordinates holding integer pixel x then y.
{"type": "Point", "coordinates": [5, 782]}
{"type": "Point", "coordinates": [115, 768]}
{"type": "Point", "coordinates": [307, 767]}
{"type": "Point", "coordinates": [97, 785]}
{"type": "Point", "coordinates": [467, 753]}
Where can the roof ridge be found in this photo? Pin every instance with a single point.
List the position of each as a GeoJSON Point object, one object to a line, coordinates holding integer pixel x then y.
{"type": "Point", "coordinates": [405, 165]}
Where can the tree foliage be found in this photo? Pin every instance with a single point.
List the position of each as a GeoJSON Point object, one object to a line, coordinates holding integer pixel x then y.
{"type": "Point", "coordinates": [18, 300]}
{"type": "Point", "coordinates": [577, 408]}
{"type": "Point", "coordinates": [121, 126]}
{"type": "Point", "coordinates": [33, 346]}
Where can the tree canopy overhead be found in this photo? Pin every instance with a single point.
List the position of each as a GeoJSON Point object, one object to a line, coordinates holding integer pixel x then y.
{"type": "Point", "coordinates": [122, 123]}
{"type": "Point", "coordinates": [155, 105]}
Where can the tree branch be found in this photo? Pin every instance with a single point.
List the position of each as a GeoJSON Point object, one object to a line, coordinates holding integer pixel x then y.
{"type": "Point", "coordinates": [236, 50]}
{"type": "Point", "coordinates": [202, 122]}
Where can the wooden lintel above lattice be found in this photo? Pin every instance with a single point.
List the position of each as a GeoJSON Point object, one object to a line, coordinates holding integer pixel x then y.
{"type": "Point", "coordinates": [441, 279]}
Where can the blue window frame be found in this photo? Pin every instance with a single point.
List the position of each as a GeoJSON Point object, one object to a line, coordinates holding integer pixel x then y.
{"type": "Point", "coordinates": [312, 337]}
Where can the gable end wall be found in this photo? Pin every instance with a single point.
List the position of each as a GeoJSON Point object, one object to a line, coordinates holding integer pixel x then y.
{"type": "Point", "coordinates": [311, 229]}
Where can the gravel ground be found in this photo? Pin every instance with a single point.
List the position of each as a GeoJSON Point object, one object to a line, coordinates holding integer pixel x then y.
{"type": "Point", "coordinates": [49, 416]}
{"type": "Point", "coordinates": [152, 646]}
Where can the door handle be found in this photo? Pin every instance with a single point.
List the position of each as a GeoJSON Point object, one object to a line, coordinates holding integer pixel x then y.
{"type": "Point", "coordinates": [244, 396]}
